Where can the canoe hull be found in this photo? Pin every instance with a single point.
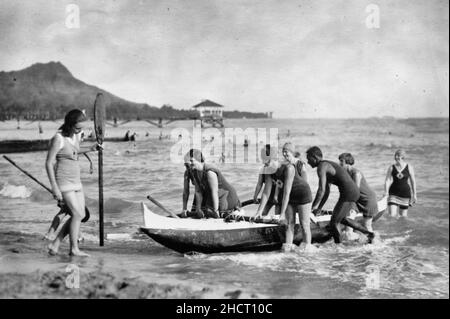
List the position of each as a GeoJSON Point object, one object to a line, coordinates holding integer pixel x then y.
{"type": "Point", "coordinates": [223, 237]}
{"type": "Point", "coordinates": [234, 240]}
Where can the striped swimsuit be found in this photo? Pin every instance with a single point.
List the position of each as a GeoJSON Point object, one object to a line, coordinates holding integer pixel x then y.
{"type": "Point", "coordinates": [67, 170]}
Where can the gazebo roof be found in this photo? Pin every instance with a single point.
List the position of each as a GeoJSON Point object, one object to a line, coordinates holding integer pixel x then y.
{"type": "Point", "coordinates": [207, 103]}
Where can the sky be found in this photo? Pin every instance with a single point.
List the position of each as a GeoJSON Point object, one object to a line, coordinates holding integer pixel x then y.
{"type": "Point", "coordinates": [297, 58]}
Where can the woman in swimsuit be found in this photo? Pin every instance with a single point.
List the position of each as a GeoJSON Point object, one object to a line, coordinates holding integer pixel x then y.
{"type": "Point", "coordinates": [217, 196]}
{"type": "Point", "coordinates": [367, 201]}
{"type": "Point", "coordinates": [65, 179]}
{"type": "Point", "coordinates": [400, 185]}
{"type": "Point", "coordinates": [270, 166]}
{"type": "Point", "coordinates": [296, 197]}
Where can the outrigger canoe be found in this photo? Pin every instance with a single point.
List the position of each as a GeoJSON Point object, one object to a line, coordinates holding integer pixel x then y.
{"type": "Point", "coordinates": [186, 235]}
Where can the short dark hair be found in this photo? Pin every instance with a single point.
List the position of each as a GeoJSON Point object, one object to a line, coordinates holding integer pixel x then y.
{"type": "Point", "coordinates": [194, 153]}
{"type": "Point", "coordinates": [348, 158]}
{"type": "Point", "coordinates": [71, 119]}
{"type": "Point", "coordinates": [314, 151]}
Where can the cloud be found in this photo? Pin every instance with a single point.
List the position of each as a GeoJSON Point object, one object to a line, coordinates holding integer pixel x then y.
{"type": "Point", "coordinates": [297, 58]}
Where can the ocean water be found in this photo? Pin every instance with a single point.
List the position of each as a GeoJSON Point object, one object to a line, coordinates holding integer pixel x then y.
{"type": "Point", "coordinates": [410, 262]}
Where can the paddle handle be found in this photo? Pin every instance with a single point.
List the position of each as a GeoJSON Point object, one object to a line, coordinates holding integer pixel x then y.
{"type": "Point", "coordinates": [26, 173]}
{"type": "Point", "coordinates": [100, 196]}
{"type": "Point", "coordinates": [247, 202]}
{"type": "Point", "coordinates": [154, 201]}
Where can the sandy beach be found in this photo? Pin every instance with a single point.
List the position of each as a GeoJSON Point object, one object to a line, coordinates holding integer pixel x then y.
{"type": "Point", "coordinates": [27, 271]}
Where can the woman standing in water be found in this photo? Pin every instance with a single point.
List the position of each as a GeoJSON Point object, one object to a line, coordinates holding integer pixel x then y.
{"type": "Point", "coordinates": [64, 174]}
{"type": "Point", "coordinates": [400, 185]}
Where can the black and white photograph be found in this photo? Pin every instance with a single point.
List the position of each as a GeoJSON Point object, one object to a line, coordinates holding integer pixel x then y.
{"type": "Point", "coordinates": [223, 150]}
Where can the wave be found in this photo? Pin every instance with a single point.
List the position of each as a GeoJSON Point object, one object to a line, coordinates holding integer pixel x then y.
{"type": "Point", "coordinates": [13, 191]}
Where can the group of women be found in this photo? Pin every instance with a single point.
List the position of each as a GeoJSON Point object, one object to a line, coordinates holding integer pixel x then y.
{"type": "Point", "coordinates": [283, 185]}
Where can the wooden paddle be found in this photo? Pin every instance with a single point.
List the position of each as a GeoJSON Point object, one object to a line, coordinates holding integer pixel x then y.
{"type": "Point", "coordinates": [99, 125]}
{"type": "Point", "coordinates": [154, 201]}
{"type": "Point", "coordinates": [63, 207]}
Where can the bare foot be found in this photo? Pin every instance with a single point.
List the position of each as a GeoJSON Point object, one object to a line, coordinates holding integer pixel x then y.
{"type": "Point", "coordinates": [78, 253]}
{"type": "Point", "coordinates": [374, 238]}
{"type": "Point", "coordinates": [286, 248]}
{"type": "Point", "coordinates": [52, 250]}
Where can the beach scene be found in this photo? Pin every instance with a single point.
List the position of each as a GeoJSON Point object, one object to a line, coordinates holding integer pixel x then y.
{"type": "Point", "coordinates": [149, 104]}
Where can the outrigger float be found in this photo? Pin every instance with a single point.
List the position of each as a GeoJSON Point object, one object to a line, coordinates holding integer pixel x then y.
{"type": "Point", "coordinates": [186, 235]}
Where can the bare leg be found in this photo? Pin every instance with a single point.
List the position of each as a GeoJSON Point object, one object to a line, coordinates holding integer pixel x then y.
{"type": "Point", "coordinates": [53, 247]}
{"type": "Point", "coordinates": [339, 212]}
{"type": "Point", "coordinates": [54, 226]}
{"type": "Point", "coordinates": [304, 214]}
{"type": "Point", "coordinates": [393, 210]}
{"type": "Point", "coordinates": [72, 226]}
{"type": "Point", "coordinates": [75, 225]}
{"type": "Point", "coordinates": [403, 212]}
{"type": "Point", "coordinates": [290, 219]}
{"type": "Point", "coordinates": [367, 222]}
{"type": "Point", "coordinates": [266, 209]}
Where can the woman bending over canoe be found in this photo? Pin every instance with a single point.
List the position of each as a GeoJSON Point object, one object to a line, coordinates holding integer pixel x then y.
{"type": "Point", "coordinates": [367, 201]}
{"type": "Point", "coordinates": [188, 179]}
{"type": "Point", "coordinates": [296, 197]}
{"type": "Point", "coordinates": [269, 167]}
{"type": "Point", "coordinates": [65, 179]}
{"type": "Point", "coordinates": [217, 196]}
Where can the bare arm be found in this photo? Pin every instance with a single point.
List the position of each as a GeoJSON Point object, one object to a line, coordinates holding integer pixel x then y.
{"type": "Point", "coordinates": [412, 180]}
{"type": "Point", "coordinates": [323, 190]}
{"type": "Point", "coordinates": [55, 146]}
{"type": "Point", "coordinates": [258, 187]}
{"type": "Point", "coordinates": [185, 190]}
{"type": "Point", "coordinates": [325, 197]}
{"type": "Point", "coordinates": [388, 181]}
{"type": "Point", "coordinates": [357, 178]}
{"type": "Point", "coordinates": [214, 186]}
{"type": "Point", "coordinates": [198, 198]}
{"type": "Point", "coordinates": [85, 149]}
{"type": "Point", "coordinates": [304, 174]}
{"type": "Point", "coordinates": [265, 195]}
{"type": "Point", "coordinates": [288, 179]}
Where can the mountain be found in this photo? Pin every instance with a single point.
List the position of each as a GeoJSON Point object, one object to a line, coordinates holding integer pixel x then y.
{"type": "Point", "coordinates": [49, 90]}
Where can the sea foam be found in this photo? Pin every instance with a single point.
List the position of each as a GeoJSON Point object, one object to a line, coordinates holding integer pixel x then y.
{"type": "Point", "coordinates": [13, 191]}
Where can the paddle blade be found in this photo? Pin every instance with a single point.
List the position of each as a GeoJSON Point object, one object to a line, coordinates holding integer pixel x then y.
{"type": "Point", "coordinates": [99, 117]}
{"type": "Point", "coordinates": [66, 210]}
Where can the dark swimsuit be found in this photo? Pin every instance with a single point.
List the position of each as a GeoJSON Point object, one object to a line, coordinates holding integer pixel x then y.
{"type": "Point", "coordinates": [300, 191]}
{"type": "Point", "coordinates": [228, 199]}
{"type": "Point", "coordinates": [348, 191]}
{"type": "Point", "coordinates": [302, 186]}
{"type": "Point", "coordinates": [367, 201]}
{"type": "Point", "coordinates": [348, 195]}
{"type": "Point", "coordinates": [400, 192]}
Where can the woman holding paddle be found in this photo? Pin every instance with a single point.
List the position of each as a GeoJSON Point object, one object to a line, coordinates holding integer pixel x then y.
{"type": "Point", "coordinates": [64, 174]}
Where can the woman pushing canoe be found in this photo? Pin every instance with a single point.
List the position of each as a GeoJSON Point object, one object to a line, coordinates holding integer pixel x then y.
{"type": "Point", "coordinates": [296, 196]}
{"type": "Point", "coordinates": [216, 195]}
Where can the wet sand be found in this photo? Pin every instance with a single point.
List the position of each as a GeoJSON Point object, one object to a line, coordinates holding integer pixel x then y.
{"type": "Point", "coordinates": [27, 271]}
